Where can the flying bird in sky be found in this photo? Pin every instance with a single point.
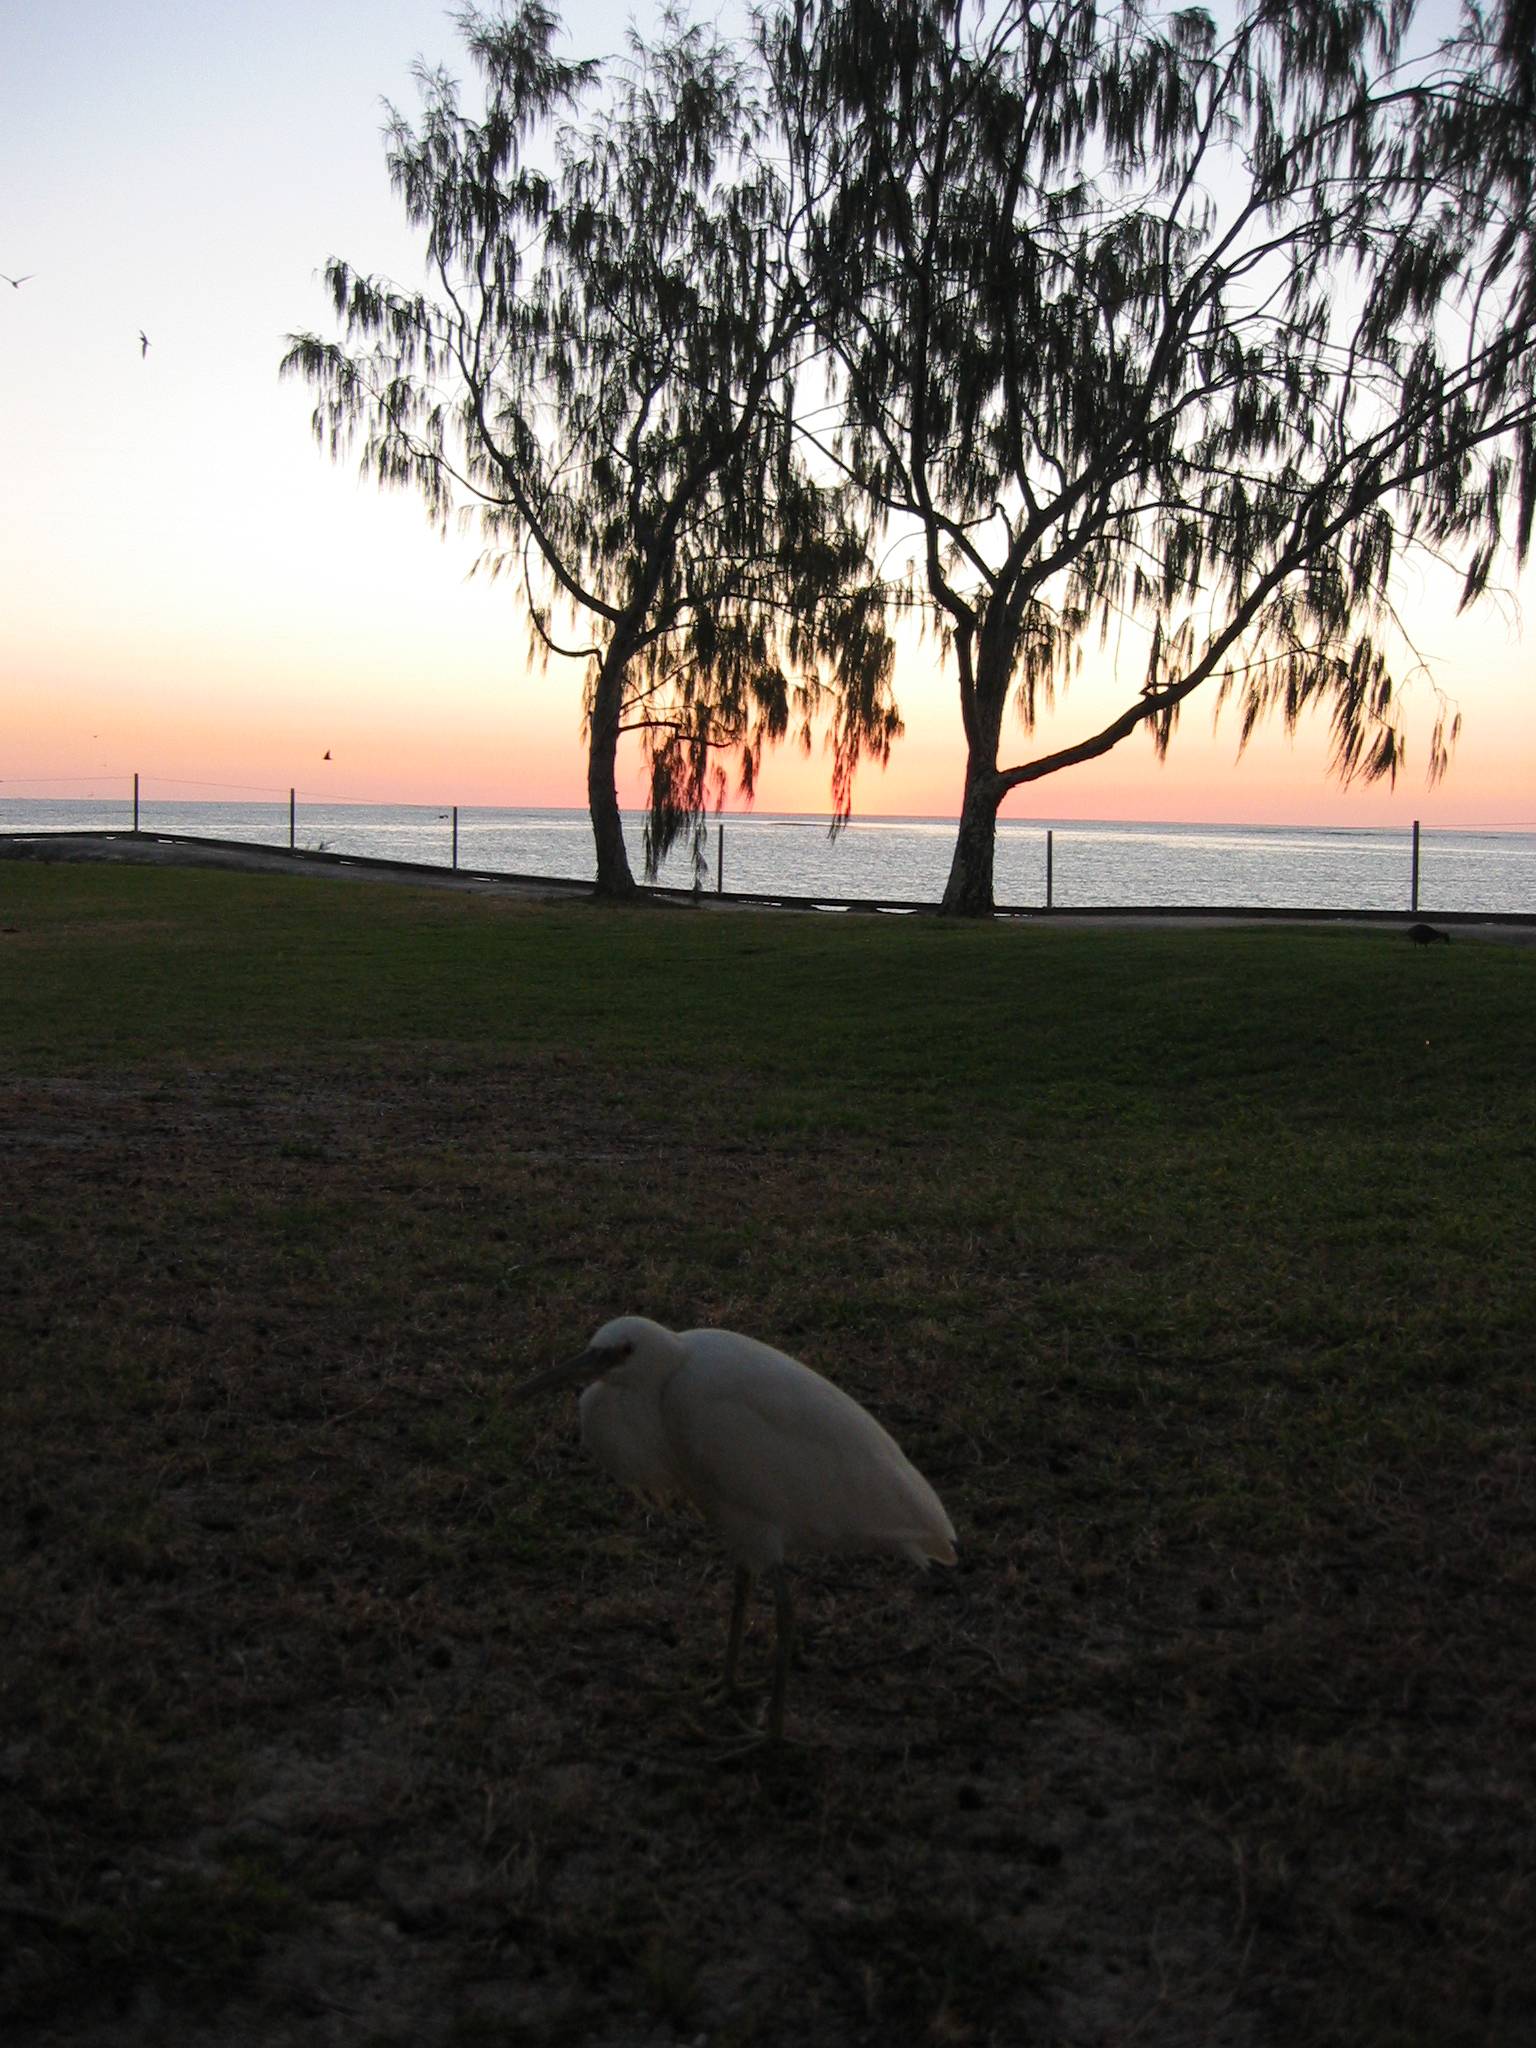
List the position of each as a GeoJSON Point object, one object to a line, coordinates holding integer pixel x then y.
{"type": "Point", "coordinates": [143, 343]}
{"type": "Point", "coordinates": [16, 283]}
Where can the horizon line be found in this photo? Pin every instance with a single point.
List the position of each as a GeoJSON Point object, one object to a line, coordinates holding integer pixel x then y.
{"type": "Point", "coordinates": [257, 796]}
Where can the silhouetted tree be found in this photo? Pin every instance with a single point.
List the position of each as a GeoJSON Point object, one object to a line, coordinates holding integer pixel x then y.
{"type": "Point", "coordinates": [1137, 320]}
{"type": "Point", "coordinates": [595, 371]}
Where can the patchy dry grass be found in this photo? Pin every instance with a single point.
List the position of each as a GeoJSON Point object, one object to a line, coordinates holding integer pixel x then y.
{"type": "Point", "coordinates": [343, 1703]}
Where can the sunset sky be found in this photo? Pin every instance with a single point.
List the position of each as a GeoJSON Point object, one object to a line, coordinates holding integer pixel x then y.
{"type": "Point", "coordinates": [191, 589]}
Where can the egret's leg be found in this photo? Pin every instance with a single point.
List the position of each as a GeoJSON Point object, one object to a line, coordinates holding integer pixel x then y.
{"type": "Point", "coordinates": [784, 1649]}
{"type": "Point", "coordinates": [739, 1599]}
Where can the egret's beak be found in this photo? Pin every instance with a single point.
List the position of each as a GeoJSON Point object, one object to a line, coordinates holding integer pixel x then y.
{"type": "Point", "coordinates": [590, 1364]}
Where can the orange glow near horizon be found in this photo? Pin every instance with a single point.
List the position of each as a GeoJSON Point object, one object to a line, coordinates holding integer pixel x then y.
{"type": "Point", "coordinates": [225, 724]}
{"type": "Point", "coordinates": [416, 680]}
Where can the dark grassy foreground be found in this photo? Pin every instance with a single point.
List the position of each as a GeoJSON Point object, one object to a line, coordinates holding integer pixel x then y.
{"type": "Point", "coordinates": [343, 1703]}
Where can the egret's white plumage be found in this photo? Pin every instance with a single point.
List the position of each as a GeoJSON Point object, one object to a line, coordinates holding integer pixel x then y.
{"type": "Point", "coordinates": [779, 1461]}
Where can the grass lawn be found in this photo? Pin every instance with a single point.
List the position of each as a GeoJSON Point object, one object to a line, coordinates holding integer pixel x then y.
{"type": "Point", "coordinates": [341, 1701]}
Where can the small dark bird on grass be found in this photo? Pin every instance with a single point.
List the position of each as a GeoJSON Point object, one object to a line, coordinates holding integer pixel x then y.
{"type": "Point", "coordinates": [1426, 935]}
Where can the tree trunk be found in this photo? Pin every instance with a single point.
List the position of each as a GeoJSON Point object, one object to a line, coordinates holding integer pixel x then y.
{"type": "Point", "coordinates": [968, 892]}
{"type": "Point", "coordinates": [614, 877]}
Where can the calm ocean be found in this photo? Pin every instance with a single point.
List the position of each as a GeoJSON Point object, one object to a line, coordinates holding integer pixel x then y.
{"type": "Point", "coordinates": [901, 859]}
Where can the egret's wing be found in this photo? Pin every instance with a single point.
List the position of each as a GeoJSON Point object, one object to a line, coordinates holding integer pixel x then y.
{"type": "Point", "coordinates": [781, 1461]}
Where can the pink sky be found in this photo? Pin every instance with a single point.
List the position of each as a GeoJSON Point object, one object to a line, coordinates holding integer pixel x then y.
{"type": "Point", "coordinates": [416, 683]}
{"type": "Point", "coordinates": [189, 589]}
{"type": "Point", "coordinates": [505, 740]}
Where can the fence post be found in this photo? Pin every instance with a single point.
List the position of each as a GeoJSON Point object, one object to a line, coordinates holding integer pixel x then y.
{"type": "Point", "coordinates": [135, 799]}
{"type": "Point", "coordinates": [1050, 856]}
{"type": "Point", "coordinates": [292, 820]}
{"type": "Point", "coordinates": [1413, 900]}
{"type": "Point", "coordinates": [720, 859]}
{"type": "Point", "coordinates": [455, 835]}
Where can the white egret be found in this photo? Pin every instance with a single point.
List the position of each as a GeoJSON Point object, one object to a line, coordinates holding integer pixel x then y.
{"type": "Point", "coordinates": [779, 1462]}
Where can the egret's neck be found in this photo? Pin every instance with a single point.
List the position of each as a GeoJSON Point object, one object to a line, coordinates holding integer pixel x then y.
{"type": "Point", "coordinates": [646, 1372]}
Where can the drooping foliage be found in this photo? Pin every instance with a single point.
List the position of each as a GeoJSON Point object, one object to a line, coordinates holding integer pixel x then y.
{"type": "Point", "coordinates": [595, 371]}
{"type": "Point", "coordinates": [1137, 319]}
